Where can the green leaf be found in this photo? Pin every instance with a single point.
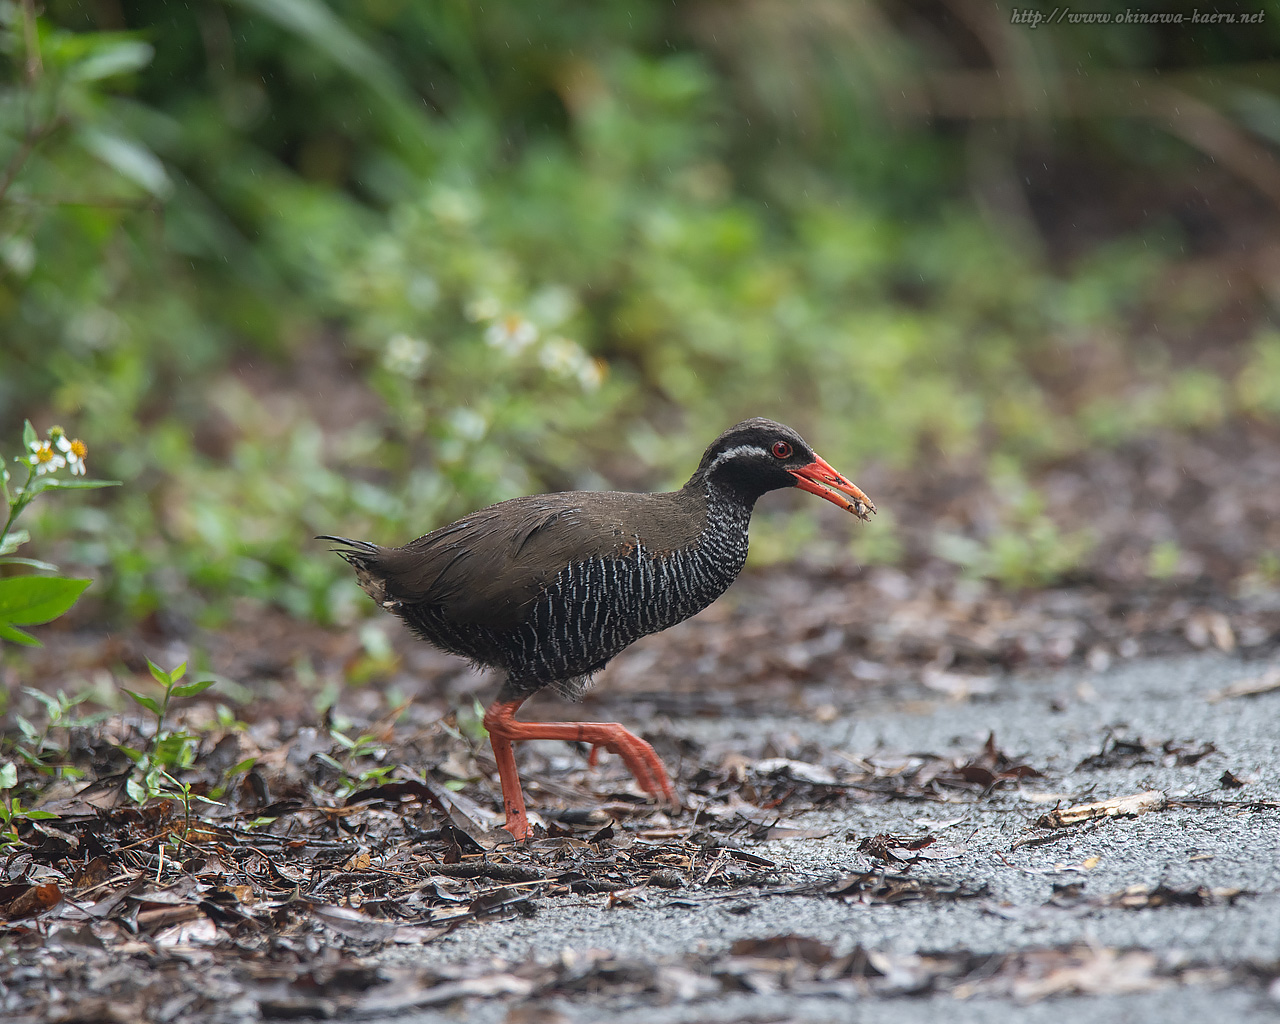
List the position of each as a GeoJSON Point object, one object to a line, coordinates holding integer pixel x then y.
{"type": "Point", "coordinates": [51, 704]}
{"type": "Point", "coordinates": [314, 22]}
{"type": "Point", "coordinates": [162, 677]}
{"type": "Point", "coordinates": [31, 563]}
{"type": "Point", "coordinates": [150, 703]}
{"type": "Point", "coordinates": [18, 636]}
{"type": "Point", "coordinates": [243, 766]}
{"type": "Point", "coordinates": [13, 541]}
{"type": "Point", "coordinates": [191, 689]}
{"type": "Point", "coordinates": [117, 57]}
{"type": "Point", "coordinates": [129, 159]}
{"type": "Point", "coordinates": [178, 672]}
{"type": "Point", "coordinates": [67, 484]}
{"type": "Point", "coordinates": [175, 750]}
{"type": "Point", "coordinates": [29, 435]}
{"type": "Point", "coordinates": [136, 793]}
{"type": "Point", "coordinates": [40, 815]}
{"type": "Point", "coordinates": [9, 776]}
{"type": "Point", "coordinates": [135, 756]}
{"type": "Point", "coordinates": [29, 600]}
{"type": "Point", "coordinates": [33, 488]}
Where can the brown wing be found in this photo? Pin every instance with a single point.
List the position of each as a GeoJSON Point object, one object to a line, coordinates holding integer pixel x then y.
{"type": "Point", "coordinates": [490, 567]}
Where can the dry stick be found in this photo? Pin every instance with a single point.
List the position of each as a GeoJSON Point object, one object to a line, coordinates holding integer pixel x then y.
{"type": "Point", "coordinates": [32, 136]}
{"type": "Point", "coordinates": [35, 66]}
{"type": "Point", "coordinates": [980, 95]}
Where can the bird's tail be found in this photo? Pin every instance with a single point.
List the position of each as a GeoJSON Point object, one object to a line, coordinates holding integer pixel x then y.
{"type": "Point", "coordinates": [363, 556]}
{"type": "Point", "coordinates": [356, 552]}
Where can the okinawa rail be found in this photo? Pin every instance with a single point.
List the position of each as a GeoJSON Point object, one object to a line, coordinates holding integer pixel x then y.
{"type": "Point", "coordinates": [547, 588]}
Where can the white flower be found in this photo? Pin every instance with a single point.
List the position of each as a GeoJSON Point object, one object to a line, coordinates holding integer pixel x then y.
{"type": "Point", "coordinates": [44, 458]}
{"type": "Point", "coordinates": [483, 307]}
{"type": "Point", "coordinates": [512, 334]}
{"type": "Point", "coordinates": [455, 207]}
{"type": "Point", "coordinates": [591, 373]}
{"type": "Point", "coordinates": [75, 451]}
{"type": "Point", "coordinates": [468, 424]}
{"type": "Point", "coordinates": [553, 305]}
{"type": "Point", "coordinates": [566, 358]}
{"type": "Point", "coordinates": [405, 355]}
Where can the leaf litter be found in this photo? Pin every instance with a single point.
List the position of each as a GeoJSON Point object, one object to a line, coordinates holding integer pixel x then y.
{"type": "Point", "coordinates": [282, 890]}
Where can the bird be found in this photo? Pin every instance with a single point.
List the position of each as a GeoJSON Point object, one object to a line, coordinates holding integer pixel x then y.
{"type": "Point", "coordinates": [548, 588]}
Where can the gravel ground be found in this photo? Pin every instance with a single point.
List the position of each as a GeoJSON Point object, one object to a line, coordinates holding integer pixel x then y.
{"type": "Point", "coordinates": [1053, 723]}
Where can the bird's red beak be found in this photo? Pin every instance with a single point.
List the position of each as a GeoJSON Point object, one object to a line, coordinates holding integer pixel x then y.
{"type": "Point", "coordinates": [819, 478]}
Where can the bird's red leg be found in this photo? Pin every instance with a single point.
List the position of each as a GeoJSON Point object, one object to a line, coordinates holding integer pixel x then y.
{"type": "Point", "coordinates": [639, 757]}
{"type": "Point", "coordinates": [497, 720]}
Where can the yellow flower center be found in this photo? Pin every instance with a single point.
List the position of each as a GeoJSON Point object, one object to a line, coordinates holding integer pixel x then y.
{"type": "Point", "coordinates": [79, 449]}
{"type": "Point", "coordinates": [44, 453]}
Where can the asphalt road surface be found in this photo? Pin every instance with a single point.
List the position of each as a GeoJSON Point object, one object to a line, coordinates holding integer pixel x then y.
{"type": "Point", "coordinates": [1100, 947]}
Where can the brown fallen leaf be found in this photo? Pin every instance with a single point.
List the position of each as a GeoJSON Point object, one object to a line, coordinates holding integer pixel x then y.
{"type": "Point", "coordinates": [895, 849]}
{"type": "Point", "coordinates": [876, 887]}
{"type": "Point", "coordinates": [33, 900]}
{"type": "Point", "coordinates": [1097, 972]}
{"type": "Point", "coordinates": [783, 947]}
{"type": "Point", "coordinates": [1252, 687]}
{"type": "Point", "coordinates": [1116, 807]}
{"type": "Point", "coordinates": [165, 917]}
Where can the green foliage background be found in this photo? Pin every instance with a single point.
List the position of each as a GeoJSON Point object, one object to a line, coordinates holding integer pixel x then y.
{"type": "Point", "coordinates": [294, 268]}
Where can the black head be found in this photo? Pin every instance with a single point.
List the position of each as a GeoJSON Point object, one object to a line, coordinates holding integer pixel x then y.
{"type": "Point", "coordinates": [760, 455]}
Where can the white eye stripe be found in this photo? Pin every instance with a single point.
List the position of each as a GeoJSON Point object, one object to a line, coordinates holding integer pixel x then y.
{"type": "Point", "coordinates": [733, 453]}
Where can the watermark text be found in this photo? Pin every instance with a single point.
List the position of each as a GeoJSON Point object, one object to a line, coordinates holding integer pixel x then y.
{"type": "Point", "coordinates": [1069, 16]}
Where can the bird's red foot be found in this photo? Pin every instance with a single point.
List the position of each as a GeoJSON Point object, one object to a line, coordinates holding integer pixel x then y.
{"type": "Point", "coordinates": [639, 757]}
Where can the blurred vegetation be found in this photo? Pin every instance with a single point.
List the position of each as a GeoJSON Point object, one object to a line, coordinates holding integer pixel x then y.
{"type": "Point", "coordinates": [294, 268]}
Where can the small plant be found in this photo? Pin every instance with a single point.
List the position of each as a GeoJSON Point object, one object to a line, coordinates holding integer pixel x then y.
{"type": "Point", "coordinates": [37, 744]}
{"type": "Point", "coordinates": [470, 721]}
{"type": "Point", "coordinates": [1164, 560]}
{"type": "Point", "coordinates": [11, 810]}
{"type": "Point", "coordinates": [30, 599]}
{"type": "Point", "coordinates": [168, 752]}
{"type": "Point", "coordinates": [1028, 549]}
{"type": "Point", "coordinates": [353, 781]}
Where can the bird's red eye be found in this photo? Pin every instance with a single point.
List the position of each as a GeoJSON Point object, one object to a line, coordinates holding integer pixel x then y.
{"type": "Point", "coordinates": [781, 449]}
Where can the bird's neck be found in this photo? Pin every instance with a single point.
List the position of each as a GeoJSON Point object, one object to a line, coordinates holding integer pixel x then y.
{"type": "Point", "coordinates": [729, 507]}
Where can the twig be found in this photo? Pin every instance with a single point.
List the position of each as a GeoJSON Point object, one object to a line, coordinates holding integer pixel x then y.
{"type": "Point", "coordinates": [977, 95]}
{"type": "Point", "coordinates": [35, 66]}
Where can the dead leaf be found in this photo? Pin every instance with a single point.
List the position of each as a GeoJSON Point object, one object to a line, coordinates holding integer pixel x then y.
{"type": "Point", "coordinates": [1185, 753]}
{"type": "Point", "coordinates": [1252, 687]}
{"type": "Point", "coordinates": [32, 900]}
{"type": "Point", "coordinates": [894, 849]}
{"type": "Point", "coordinates": [800, 771]}
{"type": "Point", "coordinates": [1097, 972]}
{"type": "Point", "coordinates": [784, 947]}
{"type": "Point", "coordinates": [1116, 807]}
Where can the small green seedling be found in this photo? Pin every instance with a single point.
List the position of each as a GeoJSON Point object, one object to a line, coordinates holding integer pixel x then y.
{"type": "Point", "coordinates": [168, 751]}
{"type": "Point", "coordinates": [12, 812]}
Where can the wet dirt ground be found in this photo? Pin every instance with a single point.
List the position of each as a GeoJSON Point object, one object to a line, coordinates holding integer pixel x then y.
{"type": "Point", "coordinates": [1170, 915]}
